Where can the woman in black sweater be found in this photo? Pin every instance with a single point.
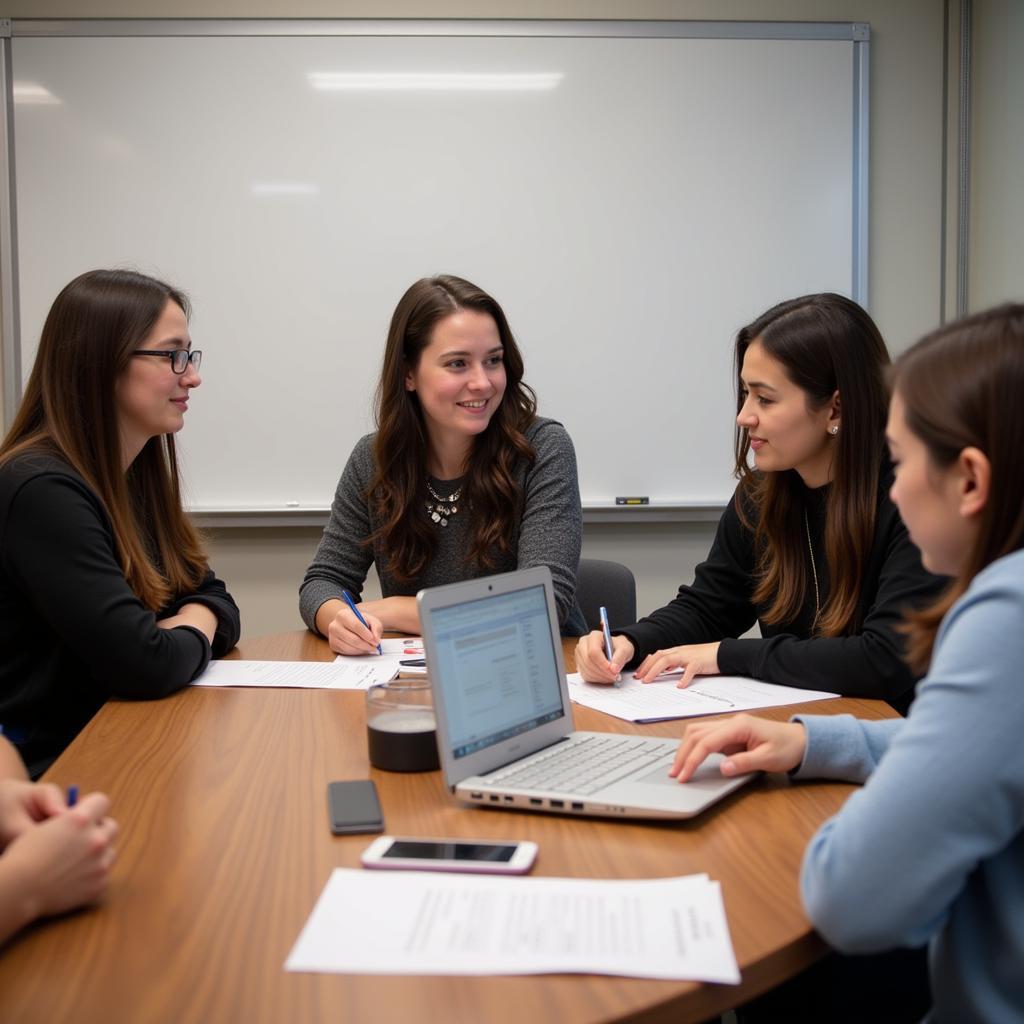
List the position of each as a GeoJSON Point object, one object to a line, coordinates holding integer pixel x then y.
{"type": "Point", "coordinates": [810, 546]}
{"type": "Point", "coordinates": [105, 590]}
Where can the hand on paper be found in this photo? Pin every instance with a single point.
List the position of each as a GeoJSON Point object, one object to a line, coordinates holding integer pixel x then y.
{"type": "Point", "coordinates": [347, 635]}
{"type": "Point", "coordinates": [695, 659]}
{"type": "Point", "coordinates": [750, 744]}
{"type": "Point", "coordinates": [23, 805]}
{"type": "Point", "coordinates": [591, 662]}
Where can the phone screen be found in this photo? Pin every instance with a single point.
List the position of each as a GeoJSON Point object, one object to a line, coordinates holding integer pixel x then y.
{"type": "Point", "coordinates": [405, 849]}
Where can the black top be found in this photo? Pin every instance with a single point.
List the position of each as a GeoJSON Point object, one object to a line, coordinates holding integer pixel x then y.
{"type": "Point", "coordinates": [719, 604]}
{"type": "Point", "coordinates": [72, 632]}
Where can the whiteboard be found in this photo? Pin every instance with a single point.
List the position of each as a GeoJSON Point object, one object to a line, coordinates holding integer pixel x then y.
{"type": "Point", "coordinates": [630, 193]}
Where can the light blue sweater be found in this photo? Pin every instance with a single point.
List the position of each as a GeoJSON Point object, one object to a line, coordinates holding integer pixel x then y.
{"type": "Point", "coordinates": [931, 849]}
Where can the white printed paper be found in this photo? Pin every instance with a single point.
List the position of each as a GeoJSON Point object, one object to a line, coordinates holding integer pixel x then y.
{"type": "Point", "coordinates": [403, 647]}
{"type": "Point", "coordinates": [707, 695]}
{"type": "Point", "coordinates": [347, 674]}
{"type": "Point", "coordinates": [394, 650]}
{"type": "Point", "coordinates": [417, 922]}
{"type": "Point", "coordinates": [407, 649]}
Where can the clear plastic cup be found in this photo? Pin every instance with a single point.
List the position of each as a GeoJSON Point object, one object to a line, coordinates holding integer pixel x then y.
{"type": "Point", "coordinates": [401, 732]}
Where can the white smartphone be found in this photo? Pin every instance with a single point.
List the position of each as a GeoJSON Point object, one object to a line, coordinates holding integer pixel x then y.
{"type": "Point", "coordinates": [499, 858]}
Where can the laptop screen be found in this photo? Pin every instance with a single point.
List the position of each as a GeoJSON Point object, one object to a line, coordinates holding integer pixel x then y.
{"type": "Point", "coordinates": [498, 668]}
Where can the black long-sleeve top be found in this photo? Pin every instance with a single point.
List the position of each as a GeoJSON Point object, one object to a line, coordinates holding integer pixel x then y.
{"type": "Point", "coordinates": [72, 632]}
{"type": "Point", "coordinates": [718, 605]}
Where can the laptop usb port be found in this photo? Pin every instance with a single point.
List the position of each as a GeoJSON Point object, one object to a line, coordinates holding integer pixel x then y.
{"type": "Point", "coordinates": [577, 806]}
{"type": "Point", "coordinates": [509, 799]}
{"type": "Point", "coordinates": [536, 801]}
{"type": "Point", "coordinates": [476, 796]}
{"type": "Point", "coordinates": [494, 798]}
{"type": "Point", "coordinates": [557, 803]}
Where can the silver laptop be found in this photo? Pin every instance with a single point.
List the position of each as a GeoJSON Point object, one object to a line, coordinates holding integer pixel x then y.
{"type": "Point", "coordinates": [504, 719]}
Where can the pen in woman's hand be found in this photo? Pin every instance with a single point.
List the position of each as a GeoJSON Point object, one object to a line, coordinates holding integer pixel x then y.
{"type": "Point", "coordinates": [358, 614]}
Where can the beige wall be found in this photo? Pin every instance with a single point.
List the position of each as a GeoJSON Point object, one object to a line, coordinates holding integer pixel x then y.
{"type": "Point", "coordinates": [996, 230]}
{"type": "Point", "coordinates": [263, 566]}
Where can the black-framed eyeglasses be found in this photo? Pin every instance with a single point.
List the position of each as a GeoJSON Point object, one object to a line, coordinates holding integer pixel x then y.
{"type": "Point", "coordinates": [180, 357]}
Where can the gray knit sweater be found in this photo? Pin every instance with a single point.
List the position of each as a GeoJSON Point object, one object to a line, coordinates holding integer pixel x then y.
{"type": "Point", "coordinates": [549, 533]}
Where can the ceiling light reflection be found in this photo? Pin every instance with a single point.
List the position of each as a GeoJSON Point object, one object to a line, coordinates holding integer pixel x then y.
{"type": "Point", "coordinates": [33, 92]}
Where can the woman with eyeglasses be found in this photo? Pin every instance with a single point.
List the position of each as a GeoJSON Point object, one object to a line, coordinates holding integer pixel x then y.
{"type": "Point", "coordinates": [461, 479]}
{"type": "Point", "coordinates": [105, 590]}
{"type": "Point", "coordinates": [931, 850]}
{"type": "Point", "coordinates": [809, 547]}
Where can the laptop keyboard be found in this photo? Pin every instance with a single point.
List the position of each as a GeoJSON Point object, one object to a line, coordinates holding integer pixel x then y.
{"type": "Point", "coordinates": [583, 767]}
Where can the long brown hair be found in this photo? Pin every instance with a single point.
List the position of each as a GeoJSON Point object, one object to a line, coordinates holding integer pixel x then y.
{"type": "Point", "coordinates": [69, 409]}
{"type": "Point", "coordinates": [962, 387]}
{"type": "Point", "coordinates": [398, 488]}
{"type": "Point", "coordinates": [825, 343]}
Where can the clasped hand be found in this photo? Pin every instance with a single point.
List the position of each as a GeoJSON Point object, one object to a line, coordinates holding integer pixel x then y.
{"type": "Point", "coordinates": [55, 857]}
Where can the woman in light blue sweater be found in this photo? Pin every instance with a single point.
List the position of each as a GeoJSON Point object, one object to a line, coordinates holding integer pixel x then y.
{"type": "Point", "coordinates": [931, 850]}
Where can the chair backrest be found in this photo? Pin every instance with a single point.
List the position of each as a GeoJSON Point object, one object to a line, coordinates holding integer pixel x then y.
{"type": "Point", "coordinates": [611, 584]}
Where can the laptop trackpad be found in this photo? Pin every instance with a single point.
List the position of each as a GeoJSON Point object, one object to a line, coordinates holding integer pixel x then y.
{"type": "Point", "coordinates": [707, 772]}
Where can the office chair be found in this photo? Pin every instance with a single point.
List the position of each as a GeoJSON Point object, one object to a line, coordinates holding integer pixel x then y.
{"type": "Point", "coordinates": [606, 583]}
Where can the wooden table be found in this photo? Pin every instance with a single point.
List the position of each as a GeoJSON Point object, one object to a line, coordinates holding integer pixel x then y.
{"type": "Point", "coordinates": [221, 796]}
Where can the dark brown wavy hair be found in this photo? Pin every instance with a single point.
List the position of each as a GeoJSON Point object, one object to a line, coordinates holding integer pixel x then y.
{"type": "Point", "coordinates": [69, 409]}
{"type": "Point", "coordinates": [962, 387]}
{"type": "Point", "coordinates": [398, 488]}
{"type": "Point", "coordinates": [825, 343]}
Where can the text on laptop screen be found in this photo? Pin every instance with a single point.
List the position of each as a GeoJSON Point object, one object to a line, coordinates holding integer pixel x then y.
{"type": "Point", "coordinates": [497, 672]}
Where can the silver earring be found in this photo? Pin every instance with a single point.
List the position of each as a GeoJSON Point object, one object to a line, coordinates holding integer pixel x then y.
{"type": "Point", "coordinates": [833, 431]}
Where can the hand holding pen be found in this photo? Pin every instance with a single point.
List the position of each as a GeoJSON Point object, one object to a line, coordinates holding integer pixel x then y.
{"type": "Point", "coordinates": [347, 598]}
{"type": "Point", "coordinates": [606, 632]}
{"type": "Point", "coordinates": [592, 658]}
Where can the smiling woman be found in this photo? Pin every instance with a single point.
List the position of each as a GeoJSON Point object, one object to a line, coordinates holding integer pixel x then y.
{"type": "Point", "coordinates": [150, 400]}
{"type": "Point", "coordinates": [462, 478]}
{"type": "Point", "coordinates": [810, 547]}
{"type": "Point", "coordinates": [105, 590]}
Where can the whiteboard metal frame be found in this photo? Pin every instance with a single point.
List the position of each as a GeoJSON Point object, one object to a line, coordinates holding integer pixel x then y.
{"type": "Point", "coordinates": [858, 33]}
{"type": "Point", "coordinates": [10, 327]}
{"type": "Point", "coordinates": [963, 196]}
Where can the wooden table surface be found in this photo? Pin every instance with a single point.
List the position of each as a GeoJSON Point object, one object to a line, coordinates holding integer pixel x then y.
{"type": "Point", "coordinates": [225, 847]}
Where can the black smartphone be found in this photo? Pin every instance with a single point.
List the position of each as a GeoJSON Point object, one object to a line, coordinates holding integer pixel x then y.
{"type": "Point", "coordinates": [354, 807]}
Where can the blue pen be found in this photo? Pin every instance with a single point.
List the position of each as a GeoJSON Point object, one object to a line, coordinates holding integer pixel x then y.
{"type": "Point", "coordinates": [72, 796]}
{"type": "Point", "coordinates": [606, 629]}
{"type": "Point", "coordinates": [348, 600]}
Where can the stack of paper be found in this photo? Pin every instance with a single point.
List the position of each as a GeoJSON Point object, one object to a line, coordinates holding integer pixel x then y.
{"type": "Point", "coordinates": [409, 647]}
{"type": "Point", "coordinates": [706, 695]}
{"type": "Point", "coordinates": [415, 922]}
{"type": "Point", "coordinates": [407, 650]}
{"type": "Point", "coordinates": [343, 674]}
